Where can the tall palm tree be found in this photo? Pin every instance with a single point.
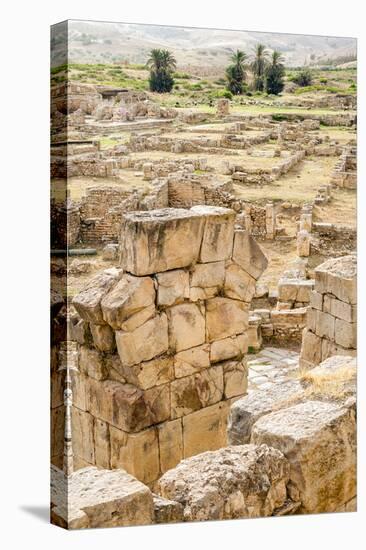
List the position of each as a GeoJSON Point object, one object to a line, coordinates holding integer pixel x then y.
{"type": "Point", "coordinates": [275, 73]}
{"type": "Point", "coordinates": [236, 72]}
{"type": "Point", "coordinates": [259, 65]}
{"type": "Point", "coordinates": [162, 65]}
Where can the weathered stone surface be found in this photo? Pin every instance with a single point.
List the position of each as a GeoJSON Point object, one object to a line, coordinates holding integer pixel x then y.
{"type": "Point", "coordinates": [173, 287]}
{"type": "Point", "coordinates": [316, 300]}
{"type": "Point", "coordinates": [137, 453]}
{"type": "Point", "coordinates": [235, 482]}
{"type": "Point", "coordinates": [83, 435]}
{"type": "Point", "coordinates": [167, 511]}
{"type": "Point", "coordinates": [191, 361]}
{"type": "Point", "coordinates": [235, 378]}
{"type": "Point", "coordinates": [145, 342]}
{"type": "Point", "coordinates": [102, 444]}
{"type": "Point", "coordinates": [218, 232]}
{"type": "Point", "coordinates": [159, 240]}
{"type": "Point", "coordinates": [340, 309]}
{"type": "Point", "coordinates": [170, 436]}
{"type": "Point", "coordinates": [110, 252]}
{"type": "Point", "coordinates": [325, 324]}
{"type": "Point", "coordinates": [150, 373]}
{"type": "Point", "coordinates": [80, 332]}
{"type": "Point", "coordinates": [319, 440]}
{"type": "Point", "coordinates": [206, 280]}
{"type": "Point", "coordinates": [229, 348]}
{"type": "Point", "coordinates": [130, 303]}
{"type": "Point", "coordinates": [205, 430]}
{"type": "Point", "coordinates": [345, 334]}
{"type": "Point", "coordinates": [239, 285]}
{"type": "Point", "coordinates": [196, 391]}
{"type": "Point", "coordinates": [311, 348]}
{"type": "Point", "coordinates": [91, 363]}
{"type": "Point", "coordinates": [248, 254]}
{"type": "Point", "coordinates": [303, 243]}
{"type": "Point", "coordinates": [225, 317]}
{"type": "Point", "coordinates": [186, 326]}
{"type": "Point", "coordinates": [338, 277]}
{"type": "Point", "coordinates": [99, 498]}
{"type": "Point", "coordinates": [247, 410]}
{"type": "Point", "coordinates": [88, 302]}
{"type": "Point", "coordinates": [103, 337]}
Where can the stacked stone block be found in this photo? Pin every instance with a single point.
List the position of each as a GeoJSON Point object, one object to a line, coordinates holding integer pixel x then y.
{"type": "Point", "coordinates": [331, 318]}
{"type": "Point", "coordinates": [162, 340]}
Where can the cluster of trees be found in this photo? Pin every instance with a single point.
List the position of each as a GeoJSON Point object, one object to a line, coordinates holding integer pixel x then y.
{"type": "Point", "coordinates": [268, 71]}
{"type": "Point", "coordinates": [162, 65]}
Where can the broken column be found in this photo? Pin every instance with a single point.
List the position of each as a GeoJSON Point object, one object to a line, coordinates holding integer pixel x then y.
{"type": "Point", "coordinates": [223, 107]}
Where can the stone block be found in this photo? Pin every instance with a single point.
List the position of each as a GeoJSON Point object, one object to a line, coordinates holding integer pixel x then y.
{"type": "Point", "coordinates": [303, 243]}
{"type": "Point", "coordinates": [170, 436]}
{"type": "Point", "coordinates": [173, 287]}
{"type": "Point", "coordinates": [235, 378]}
{"type": "Point", "coordinates": [79, 387]}
{"type": "Point", "coordinates": [57, 426]}
{"type": "Point", "coordinates": [311, 348]}
{"type": "Point", "coordinates": [102, 444]}
{"type": "Point", "coordinates": [239, 285]}
{"type": "Point", "coordinates": [248, 254]}
{"type": "Point", "coordinates": [325, 324]}
{"type": "Point", "coordinates": [137, 453]}
{"type": "Point", "coordinates": [88, 302]}
{"type": "Point", "coordinates": [160, 240]}
{"type": "Point", "coordinates": [91, 363]}
{"type": "Point", "coordinates": [167, 511]}
{"type": "Point", "coordinates": [339, 309]}
{"type": "Point", "coordinates": [316, 300]}
{"type": "Point", "coordinates": [130, 303]}
{"type": "Point", "coordinates": [150, 373]}
{"type": "Point", "coordinates": [319, 441]}
{"type": "Point", "coordinates": [218, 233]}
{"type": "Point", "coordinates": [338, 277]}
{"type": "Point", "coordinates": [206, 280]}
{"type": "Point", "coordinates": [145, 342]}
{"type": "Point", "coordinates": [186, 326]}
{"type": "Point", "coordinates": [225, 317]}
{"type": "Point", "coordinates": [196, 391]}
{"type": "Point", "coordinates": [103, 337]}
{"type": "Point", "coordinates": [345, 334]}
{"type": "Point", "coordinates": [205, 429]}
{"type": "Point", "coordinates": [82, 425]}
{"type": "Point", "coordinates": [229, 348]}
{"type": "Point", "coordinates": [191, 361]}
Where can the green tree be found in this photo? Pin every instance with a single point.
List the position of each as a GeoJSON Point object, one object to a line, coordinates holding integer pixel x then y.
{"type": "Point", "coordinates": [275, 74]}
{"type": "Point", "coordinates": [258, 66]}
{"type": "Point", "coordinates": [303, 78]}
{"type": "Point", "coordinates": [236, 72]}
{"type": "Point", "coordinates": [162, 64]}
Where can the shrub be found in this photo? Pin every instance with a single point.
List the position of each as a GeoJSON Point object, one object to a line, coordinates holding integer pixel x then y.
{"type": "Point", "coordinates": [303, 78]}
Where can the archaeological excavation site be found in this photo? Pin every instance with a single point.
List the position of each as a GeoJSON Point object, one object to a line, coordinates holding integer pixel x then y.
{"type": "Point", "coordinates": [203, 275]}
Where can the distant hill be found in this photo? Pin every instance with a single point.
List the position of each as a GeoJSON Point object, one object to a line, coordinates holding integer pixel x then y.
{"type": "Point", "coordinates": [96, 42]}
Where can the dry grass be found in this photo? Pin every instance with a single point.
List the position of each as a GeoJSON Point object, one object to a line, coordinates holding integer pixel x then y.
{"type": "Point", "coordinates": [329, 383]}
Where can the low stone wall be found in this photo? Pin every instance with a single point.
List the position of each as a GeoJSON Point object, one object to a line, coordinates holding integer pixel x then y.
{"type": "Point", "coordinates": [345, 171]}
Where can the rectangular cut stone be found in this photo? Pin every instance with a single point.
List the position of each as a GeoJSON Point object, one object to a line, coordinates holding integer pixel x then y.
{"type": "Point", "coordinates": [186, 326]}
{"type": "Point", "coordinates": [196, 391]}
{"type": "Point", "coordinates": [205, 430]}
{"type": "Point", "coordinates": [191, 361]}
{"type": "Point", "coordinates": [331, 348]}
{"type": "Point", "coordinates": [229, 348]}
{"type": "Point", "coordinates": [102, 444]}
{"type": "Point", "coordinates": [150, 373]}
{"type": "Point", "coordinates": [218, 233]}
{"type": "Point", "coordinates": [125, 307]}
{"type": "Point", "coordinates": [145, 342]}
{"type": "Point", "coordinates": [103, 337]}
{"type": "Point", "coordinates": [311, 348]}
{"type": "Point", "coordinates": [339, 309]}
{"type": "Point", "coordinates": [248, 254]}
{"type": "Point", "coordinates": [88, 302]}
{"type": "Point", "coordinates": [316, 300]}
{"type": "Point", "coordinates": [235, 378]}
{"type": "Point", "coordinates": [325, 325]}
{"type": "Point", "coordinates": [170, 444]}
{"type": "Point", "coordinates": [206, 280]}
{"type": "Point", "coordinates": [239, 285]}
{"type": "Point", "coordinates": [137, 453]}
{"type": "Point", "coordinates": [83, 435]}
{"type": "Point", "coordinates": [225, 317]}
{"type": "Point", "coordinates": [338, 277]}
{"type": "Point", "coordinates": [57, 431]}
{"type": "Point", "coordinates": [311, 316]}
{"type": "Point", "coordinates": [173, 287]}
{"type": "Point", "coordinates": [91, 363]}
{"type": "Point", "coordinates": [80, 390]}
{"type": "Point", "coordinates": [160, 240]}
{"type": "Point", "coordinates": [345, 334]}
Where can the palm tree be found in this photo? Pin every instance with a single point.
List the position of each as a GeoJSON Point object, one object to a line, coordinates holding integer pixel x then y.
{"type": "Point", "coordinates": [236, 72]}
{"type": "Point", "coordinates": [275, 73]}
{"type": "Point", "coordinates": [162, 65]}
{"type": "Point", "coordinates": [259, 65]}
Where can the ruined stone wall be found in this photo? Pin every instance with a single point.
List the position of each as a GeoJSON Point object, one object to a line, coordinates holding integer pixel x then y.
{"type": "Point", "coordinates": [345, 171]}
{"type": "Point", "coordinates": [331, 326]}
{"type": "Point", "coordinates": [162, 343]}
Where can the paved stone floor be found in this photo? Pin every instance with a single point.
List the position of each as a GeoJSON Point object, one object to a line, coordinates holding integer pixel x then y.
{"type": "Point", "coordinates": [271, 366]}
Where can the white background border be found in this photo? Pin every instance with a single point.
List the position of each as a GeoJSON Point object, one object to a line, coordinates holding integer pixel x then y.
{"type": "Point", "coordinates": [24, 257]}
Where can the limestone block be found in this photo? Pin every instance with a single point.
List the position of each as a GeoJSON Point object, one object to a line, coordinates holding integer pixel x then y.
{"type": "Point", "coordinates": [196, 391]}
{"type": "Point", "coordinates": [247, 410]}
{"type": "Point", "coordinates": [110, 252]}
{"type": "Point", "coordinates": [229, 348]}
{"type": "Point", "coordinates": [159, 240]}
{"type": "Point", "coordinates": [287, 290]}
{"type": "Point", "coordinates": [57, 431]}
{"type": "Point", "coordinates": [167, 511]}
{"type": "Point", "coordinates": [345, 333]}
{"type": "Point", "coordinates": [206, 280]}
{"type": "Point", "coordinates": [239, 285]}
{"type": "Point", "coordinates": [103, 337]}
{"type": "Point", "coordinates": [191, 360]}
{"type": "Point", "coordinates": [325, 324]}
{"type": "Point", "coordinates": [79, 387]}
{"type": "Point", "coordinates": [102, 444]}
{"type": "Point", "coordinates": [235, 482]}
{"type": "Point", "coordinates": [225, 317]}
{"type": "Point", "coordinates": [316, 300]}
{"type": "Point", "coordinates": [331, 348]}
{"type": "Point", "coordinates": [235, 378]}
{"type": "Point", "coordinates": [319, 441]}
{"type": "Point", "coordinates": [82, 425]}
{"type": "Point", "coordinates": [311, 316]}
{"type": "Point", "coordinates": [311, 348]}
{"type": "Point", "coordinates": [99, 498]}
{"type": "Point", "coordinates": [217, 242]}
{"type": "Point", "coordinates": [137, 453]}
{"type": "Point", "coordinates": [130, 303]}
{"type": "Point", "coordinates": [150, 373]}
{"type": "Point", "coordinates": [91, 363]}
{"type": "Point", "coordinates": [338, 277]}
{"type": "Point", "coordinates": [57, 388]}
{"type": "Point", "coordinates": [173, 287]}
{"type": "Point", "coordinates": [186, 326]}
{"type": "Point", "coordinates": [205, 429]}
{"type": "Point", "coordinates": [303, 243]}
{"type": "Point", "coordinates": [170, 436]}
{"type": "Point", "coordinates": [248, 254]}
{"type": "Point", "coordinates": [145, 342]}
{"type": "Point", "coordinates": [88, 302]}
{"type": "Point", "coordinates": [339, 309]}
{"type": "Point", "coordinates": [80, 332]}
